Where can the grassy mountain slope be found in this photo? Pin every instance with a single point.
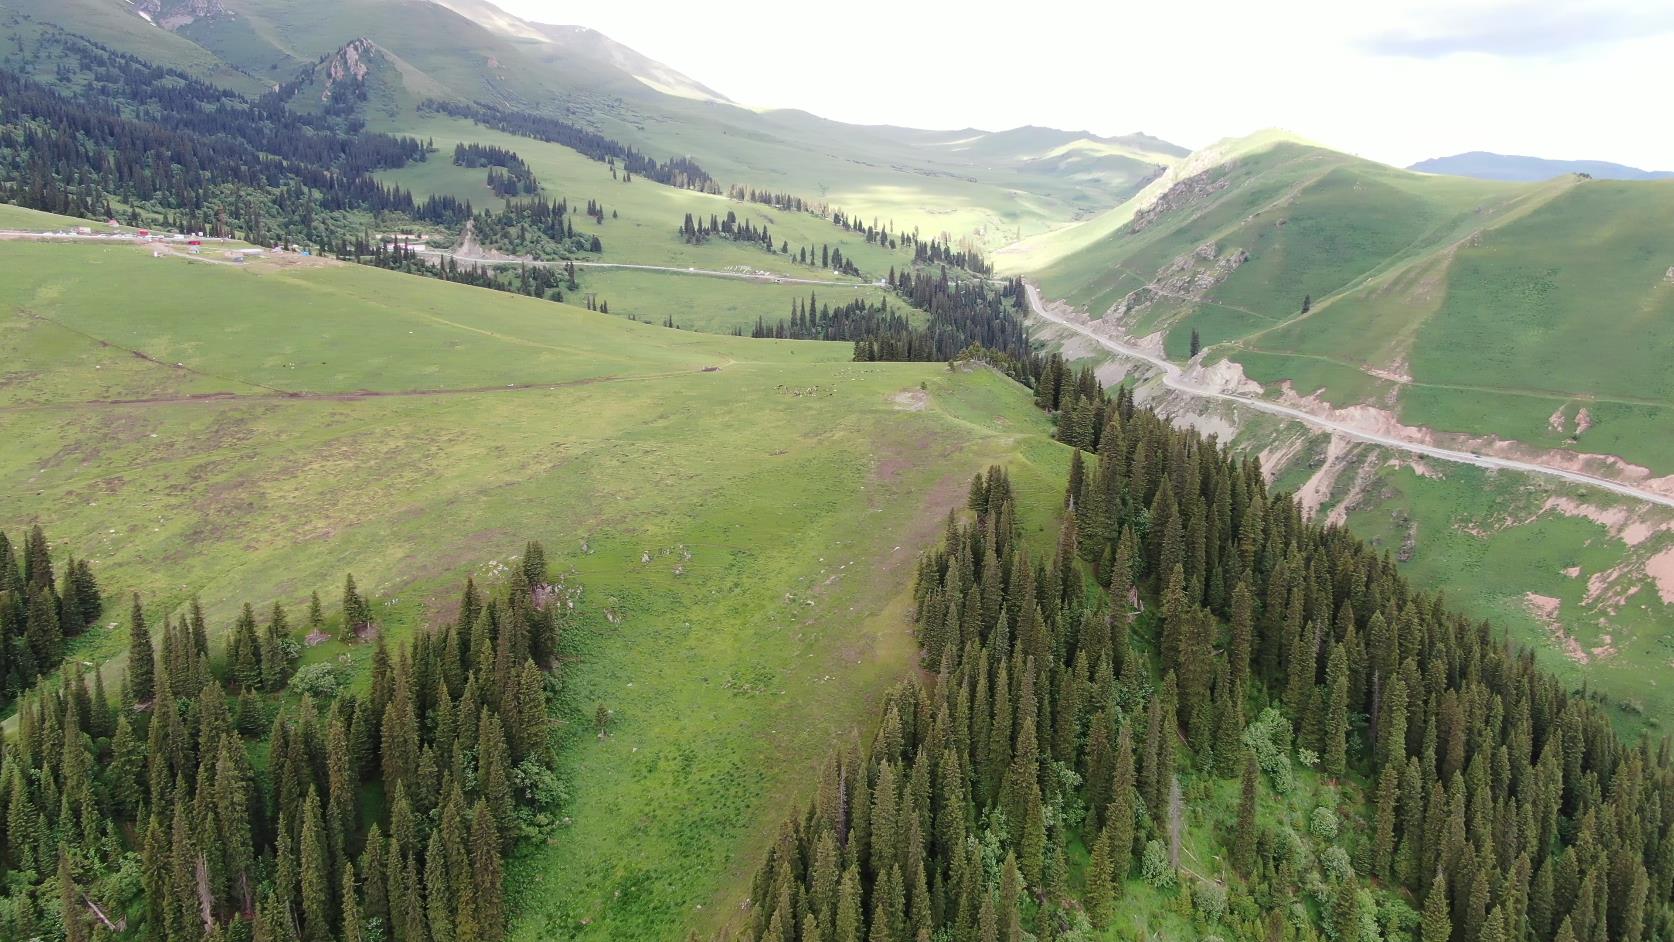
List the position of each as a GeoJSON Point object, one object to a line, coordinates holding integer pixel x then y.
{"type": "Point", "coordinates": [648, 214]}
{"type": "Point", "coordinates": [1015, 182]}
{"type": "Point", "coordinates": [293, 422]}
{"type": "Point", "coordinates": [1465, 306]}
{"type": "Point", "coordinates": [1528, 313]}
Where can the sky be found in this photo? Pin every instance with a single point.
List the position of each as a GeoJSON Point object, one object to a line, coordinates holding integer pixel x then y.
{"type": "Point", "coordinates": [1396, 81]}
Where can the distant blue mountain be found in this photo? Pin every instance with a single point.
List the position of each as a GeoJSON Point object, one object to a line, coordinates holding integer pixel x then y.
{"type": "Point", "coordinates": [1485, 166]}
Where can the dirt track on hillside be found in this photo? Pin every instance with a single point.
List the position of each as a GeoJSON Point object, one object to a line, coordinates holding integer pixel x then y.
{"type": "Point", "coordinates": [1173, 379]}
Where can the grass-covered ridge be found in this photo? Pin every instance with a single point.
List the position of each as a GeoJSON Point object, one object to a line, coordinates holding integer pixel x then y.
{"type": "Point", "coordinates": [1473, 307]}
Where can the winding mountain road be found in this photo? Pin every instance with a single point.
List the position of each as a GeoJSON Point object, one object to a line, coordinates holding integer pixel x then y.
{"type": "Point", "coordinates": [1174, 379]}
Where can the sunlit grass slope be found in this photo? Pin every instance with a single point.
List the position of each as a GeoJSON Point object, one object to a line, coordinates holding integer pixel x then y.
{"type": "Point", "coordinates": [744, 534]}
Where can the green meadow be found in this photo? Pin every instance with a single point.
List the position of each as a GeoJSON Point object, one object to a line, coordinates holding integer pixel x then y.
{"type": "Point", "coordinates": [19, 217]}
{"type": "Point", "coordinates": [743, 515]}
{"type": "Point", "coordinates": [642, 217]}
{"type": "Point", "coordinates": [712, 305]}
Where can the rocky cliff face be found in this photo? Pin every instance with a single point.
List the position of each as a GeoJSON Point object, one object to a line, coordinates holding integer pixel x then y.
{"type": "Point", "coordinates": [1188, 278]}
{"type": "Point", "coordinates": [1191, 190]}
{"type": "Point", "coordinates": [173, 14]}
{"type": "Point", "coordinates": [346, 69]}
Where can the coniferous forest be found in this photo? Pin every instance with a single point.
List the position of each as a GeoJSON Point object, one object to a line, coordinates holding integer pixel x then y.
{"type": "Point", "coordinates": [968, 319]}
{"type": "Point", "coordinates": [40, 614]}
{"type": "Point", "coordinates": [1191, 628]}
{"type": "Point", "coordinates": [235, 795]}
{"type": "Point", "coordinates": [158, 147]}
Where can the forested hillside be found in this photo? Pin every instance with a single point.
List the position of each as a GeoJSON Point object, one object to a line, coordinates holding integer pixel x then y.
{"type": "Point", "coordinates": [40, 614]}
{"type": "Point", "coordinates": [1403, 773]}
{"type": "Point", "coordinates": [239, 797]}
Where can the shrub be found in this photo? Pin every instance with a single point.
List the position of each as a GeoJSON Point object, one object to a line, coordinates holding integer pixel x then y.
{"type": "Point", "coordinates": [324, 680]}
{"type": "Point", "coordinates": [1154, 866]}
{"type": "Point", "coordinates": [1323, 823]}
{"type": "Point", "coordinates": [1211, 901]}
{"type": "Point", "coordinates": [1269, 738]}
{"type": "Point", "coordinates": [1335, 863]}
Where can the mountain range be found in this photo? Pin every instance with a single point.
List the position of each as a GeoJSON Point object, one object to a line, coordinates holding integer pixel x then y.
{"type": "Point", "coordinates": [1488, 166]}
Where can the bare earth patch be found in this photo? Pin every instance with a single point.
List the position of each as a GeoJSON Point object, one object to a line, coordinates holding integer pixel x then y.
{"type": "Point", "coordinates": [1557, 421]}
{"type": "Point", "coordinates": [1661, 570]}
{"type": "Point", "coordinates": [1358, 489]}
{"type": "Point", "coordinates": [1275, 458]}
{"type": "Point", "coordinates": [911, 400]}
{"type": "Point", "coordinates": [1313, 494]}
{"type": "Point", "coordinates": [1225, 376]}
{"type": "Point", "coordinates": [1611, 589]}
{"type": "Point", "coordinates": [1626, 524]}
{"type": "Point", "coordinates": [1545, 608]}
{"type": "Point", "coordinates": [1418, 466]}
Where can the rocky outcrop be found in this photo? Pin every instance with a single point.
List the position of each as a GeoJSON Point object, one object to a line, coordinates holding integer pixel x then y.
{"type": "Point", "coordinates": [1188, 278]}
{"type": "Point", "coordinates": [350, 65]}
{"type": "Point", "coordinates": [1191, 190]}
{"type": "Point", "coordinates": [173, 14]}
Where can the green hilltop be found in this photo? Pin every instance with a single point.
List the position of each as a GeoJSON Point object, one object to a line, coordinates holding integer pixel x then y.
{"type": "Point", "coordinates": [1475, 307]}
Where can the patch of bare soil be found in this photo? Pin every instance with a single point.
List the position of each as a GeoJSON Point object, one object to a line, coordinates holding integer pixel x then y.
{"type": "Point", "coordinates": [1358, 488]}
{"type": "Point", "coordinates": [1545, 608]}
{"type": "Point", "coordinates": [1317, 490]}
{"type": "Point", "coordinates": [469, 247]}
{"type": "Point", "coordinates": [1661, 570]}
{"type": "Point", "coordinates": [1278, 456]}
{"type": "Point", "coordinates": [1397, 372]}
{"type": "Point", "coordinates": [1207, 418]}
{"type": "Point", "coordinates": [288, 260]}
{"type": "Point", "coordinates": [1610, 590]}
{"type": "Point", "coordinates": [1225, 376]}
{"type": "Point", "coordinates": [1626, 524]}
{"type": "Point", "coordinates": [1558, 421]}
{"type": "Point", "coordinates": [1189, 277]}
{"type": "Point", "coordinates": [911, 400]}
{"type": "Point", "coordinates": [1418, 466]}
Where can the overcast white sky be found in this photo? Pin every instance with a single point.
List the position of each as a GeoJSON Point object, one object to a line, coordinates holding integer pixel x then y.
{"type": "Point", "coordinates": [1397, 81]}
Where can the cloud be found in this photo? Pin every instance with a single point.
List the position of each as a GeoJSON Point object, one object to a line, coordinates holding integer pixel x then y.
{"type": "Point", "coordinates": [1520, 30]}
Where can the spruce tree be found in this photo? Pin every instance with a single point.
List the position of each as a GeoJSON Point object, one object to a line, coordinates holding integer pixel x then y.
{"type": "Point", "coordinates": [353, 929]}
{"type": "Point", "coordinates": [486, 874]}
{"type": "Point", "coordinates": [1099, 893]}
{"type": "Point", "coordinates": [1244, 830]}
{"type": "Point", "coordinates": [1437, 922]}
{"type": "Point", "coordinates": [141, 659]}
{"type": "Point", "coordinates": [315, 873]}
